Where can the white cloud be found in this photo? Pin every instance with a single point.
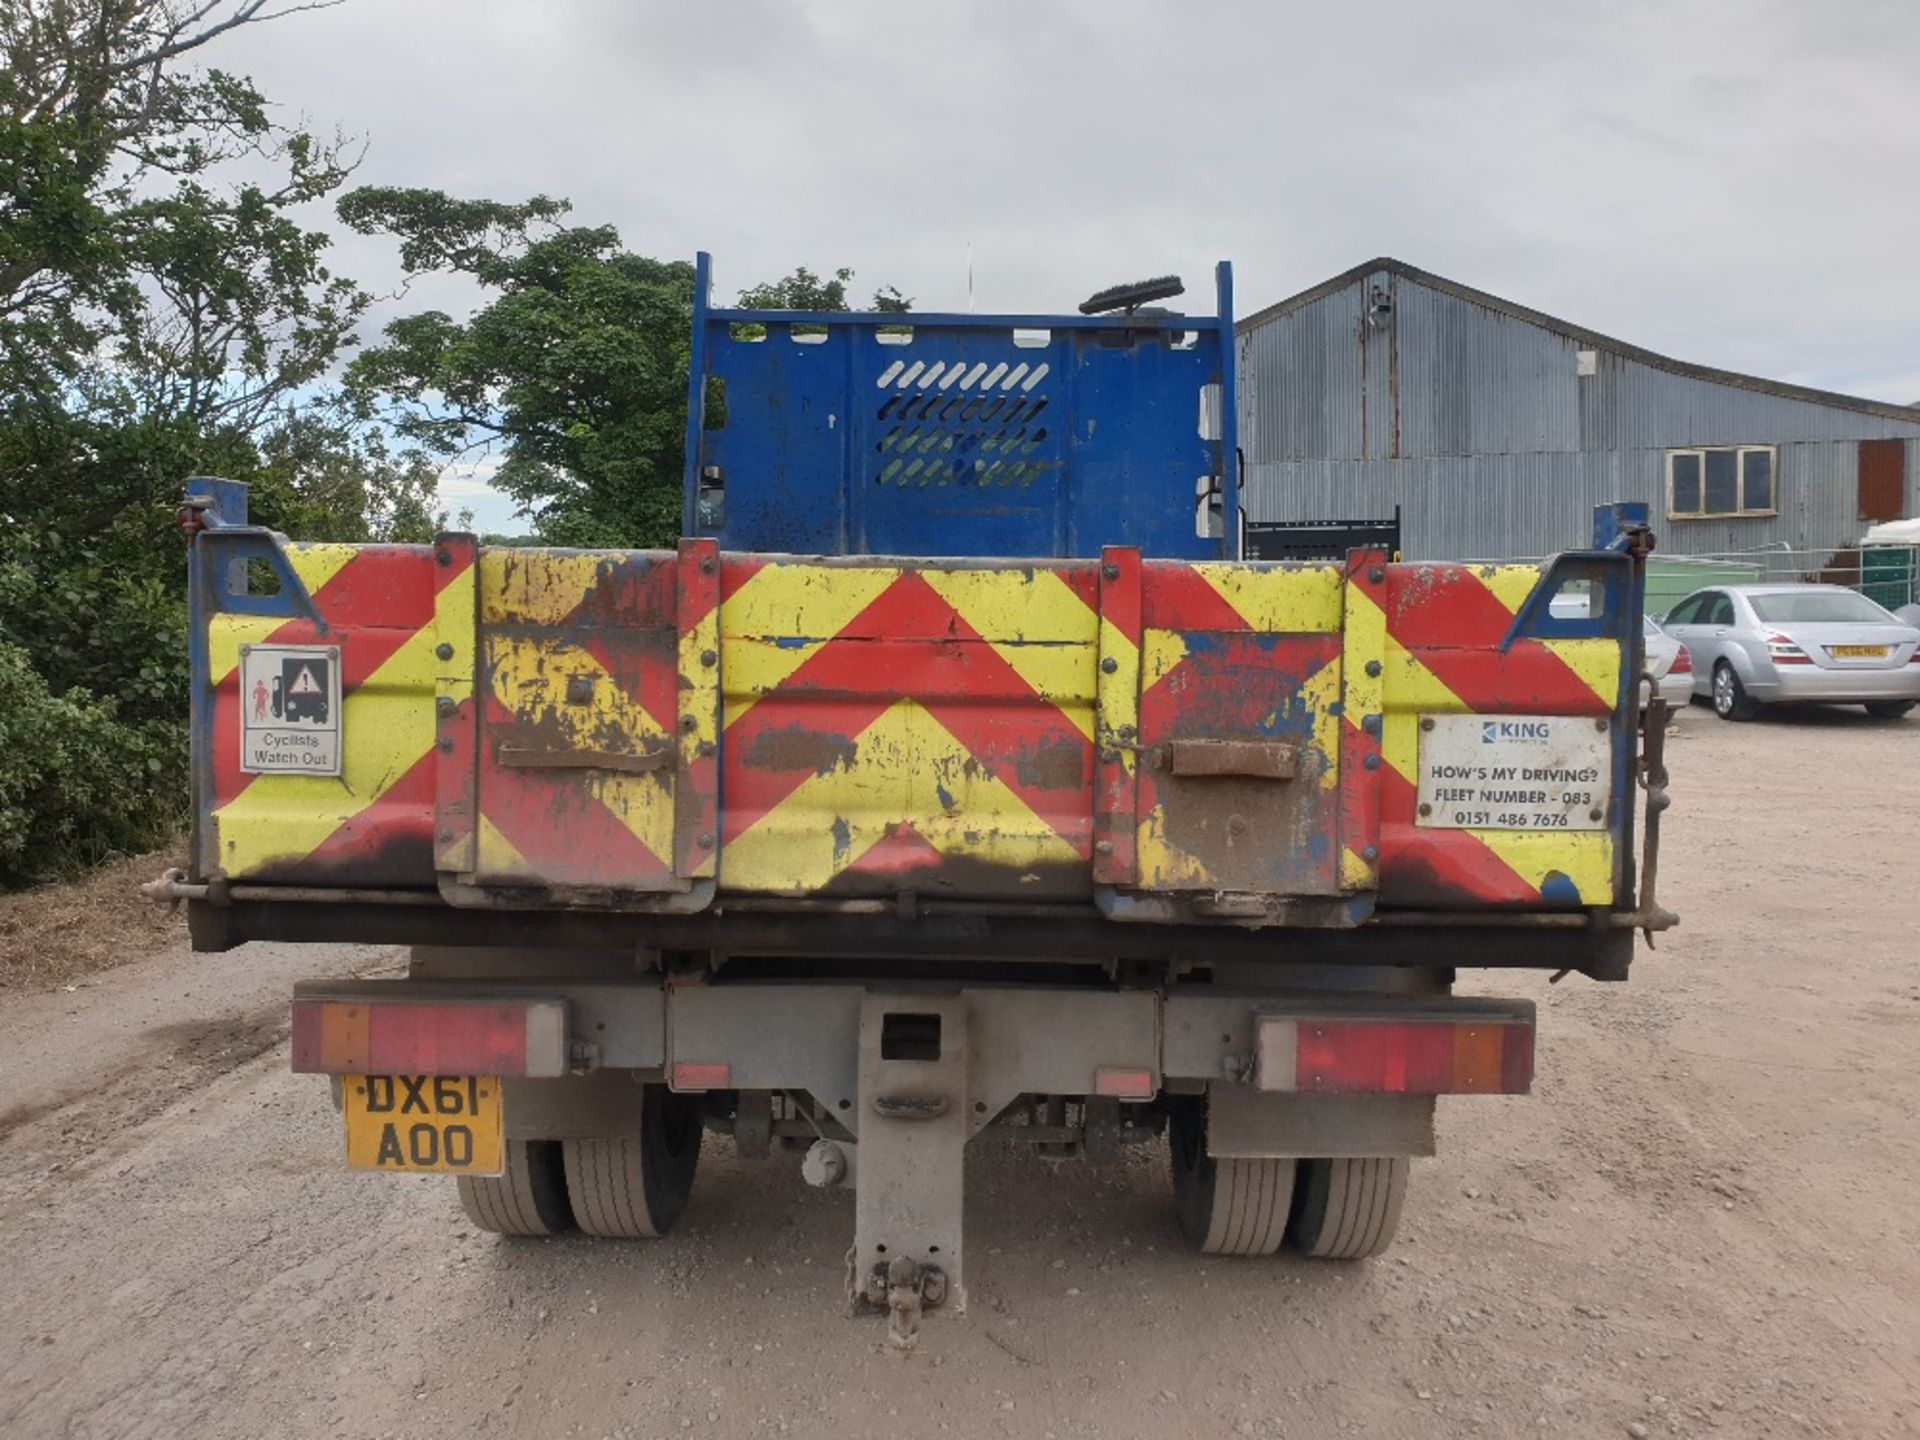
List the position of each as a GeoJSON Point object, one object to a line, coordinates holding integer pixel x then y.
{"type": "Point", "coordinates": [1729, 183]}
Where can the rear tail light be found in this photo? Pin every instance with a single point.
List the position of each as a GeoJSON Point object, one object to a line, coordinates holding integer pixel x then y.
{"type": "Point", "coordinates": [1682, 662]}
{"type": "Point", "coordinates": [692, 1076]}
{"type": "Point", "coordinates": [1783, 651]}
{"type": "Point", "coordinates": [1397, 1057]}
{"type": "Point", "coordinates": [1123, 1083]}
{"type": "Point", "coordinates": [423, 1037]}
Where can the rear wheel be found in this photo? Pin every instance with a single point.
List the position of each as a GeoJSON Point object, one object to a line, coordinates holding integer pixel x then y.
{"type": "Point", "coordinates": [529, 1198]}
{"type": "Point", "coordinates": [635, 1186]}
{"type": "Point", "coordinates": [1227, 1207]}
{"type": "Point", "coordinates": [1348, 1209]}
{"type": "Point", "coordinates": [1888, 709]}
{"type": "Point", "coordinates": [1730, 698]}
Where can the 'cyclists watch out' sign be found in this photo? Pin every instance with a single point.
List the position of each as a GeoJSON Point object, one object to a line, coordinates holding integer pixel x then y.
{"type": "Point", "coordinates": [290, 709]}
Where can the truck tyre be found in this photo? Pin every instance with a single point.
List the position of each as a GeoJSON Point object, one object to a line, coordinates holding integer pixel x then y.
{"type": "Point", "coordinates": [1888, 709]}
{"type": "Point", "coordinates": [1226, 1207]}
{"type": "Point", "coordinates": [1730, 698]}
{"type": "Point", "coordinates": [633, 1187]}
{"type": "Point", "coordinates": [529, 1199]}
{"type": "Point", "coordinates": [1347, 1209]}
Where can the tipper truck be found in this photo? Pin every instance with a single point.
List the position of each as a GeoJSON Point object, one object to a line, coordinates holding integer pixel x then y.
{"type": "Point", "coordinates": [952, 778]}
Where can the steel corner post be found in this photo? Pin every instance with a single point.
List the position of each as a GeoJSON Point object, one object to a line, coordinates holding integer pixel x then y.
{"type": "Point", "coordinates": [1363, 685]}
{"type": "Point", "coordinates": [696, 822]}
{"type": "Point", "coordinates": [1117, 721]}
{"type": "Point", "coordinates": [456, 706]}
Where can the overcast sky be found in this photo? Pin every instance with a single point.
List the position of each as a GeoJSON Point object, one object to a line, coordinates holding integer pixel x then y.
{"type": "Point", "coordinates": [1731, 183]}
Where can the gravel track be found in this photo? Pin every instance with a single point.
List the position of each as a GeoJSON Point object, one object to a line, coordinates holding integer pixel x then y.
{"type": "Point", "coordinates": [1703, 1222]}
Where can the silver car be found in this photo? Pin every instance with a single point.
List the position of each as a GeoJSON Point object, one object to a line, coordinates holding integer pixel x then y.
{"type": "Point", "coordinates": [1756, 645]}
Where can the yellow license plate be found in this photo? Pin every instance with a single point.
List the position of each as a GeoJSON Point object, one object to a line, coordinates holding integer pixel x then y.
{"type": "Point", "coordinates": [447, 1123]}
{"type": "Point", "coordinates": [1857, 652]}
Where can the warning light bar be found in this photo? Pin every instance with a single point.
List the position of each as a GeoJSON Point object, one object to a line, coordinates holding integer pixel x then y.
{"type": "Point", "coordinates": [1481, 1055]}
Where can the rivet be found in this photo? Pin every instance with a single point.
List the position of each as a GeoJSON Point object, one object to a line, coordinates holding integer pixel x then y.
{"type": "Point", "coordinates": [443, 650]}
{"type": "Point", "coordinates": [1376, 575]}
{"type": "Point", "coordinates": [445, 836]}
{"type": "Point", "coordinates": [1425, 809]}
{"type": "Point", "coordinates": [704, 841]}
{"type": "Point", "coordinates": [1109, 665]}
{"type": "Point", "coordinates": [1427, 724]}
{"type": "Point", "coordinates": [1127, 732]}
{"type": "Point", "coordinates": [444, 705]}
{"type": "Point", "coordinates": [442, 557]}
{"type": "Point", "coordinates": [1110, 572]}
{"type": "Point", "coordinates": [446, 746]}
{"type": "Point", "coordinates": [1370, 854]}
{"type": "Point", "coordinates": [1372, 762]}
{"type": "Point", "coordinates": [707, 566]}
{"type": "Point", "coordinates": [1103, 847]}
{"type": "Point", "coordinates": [1603, 725]}
{"type": "Point", "coordinates": [689, 723]}
{"type": "Point", "coordinates": [709, 657]}
{"type": "Point", "coordinates": [1371, 724]}
{"type": "Point", "coordinates": [1373, 667]}
{"type": "Point", "coordinates": [1596, 814]}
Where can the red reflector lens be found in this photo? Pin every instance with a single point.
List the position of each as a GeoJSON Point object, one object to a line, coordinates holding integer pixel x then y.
{"type": "Point", "coordinates": [711, 1076]}
{"type": "Point", "coordinates": [373, 1037]}
{"type": "Point", "coordinates": [1414, 1058]}
{"type": "Point", "coordinates": [1682, 662]}
{"type": "Point", "coordinates": [1123, 1084]}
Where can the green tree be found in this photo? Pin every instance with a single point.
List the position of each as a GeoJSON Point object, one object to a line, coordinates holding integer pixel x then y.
{"type": "Point", "coordinates": [574, 368]}
{"type": "Point", "coordinates": [163, 312]}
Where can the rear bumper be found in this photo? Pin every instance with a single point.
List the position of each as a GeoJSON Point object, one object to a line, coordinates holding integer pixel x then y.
{"type": "Point", "coordinates": [1789, 683]}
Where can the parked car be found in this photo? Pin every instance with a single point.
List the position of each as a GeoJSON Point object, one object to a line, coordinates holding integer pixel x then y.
{"type": "Point", "coordinates": [1668, 661]}
{"type": "Point", "coordinates": [1759, 645]}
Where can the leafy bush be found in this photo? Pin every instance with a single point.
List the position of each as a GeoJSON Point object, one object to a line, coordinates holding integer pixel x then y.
{"type": "Point", "coordinates": [76, 782]}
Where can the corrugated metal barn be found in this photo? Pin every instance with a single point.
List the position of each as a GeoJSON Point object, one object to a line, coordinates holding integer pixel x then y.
{"type": "Point", "coordinates": [1497, 429]}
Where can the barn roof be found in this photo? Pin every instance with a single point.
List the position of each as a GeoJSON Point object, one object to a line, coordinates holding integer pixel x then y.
{"type": "Point", "coordinates": [1592, 339]}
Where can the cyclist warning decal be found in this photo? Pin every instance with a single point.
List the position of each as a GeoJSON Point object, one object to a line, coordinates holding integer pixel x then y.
{"type": "Point", "coordinates": [290, 710]}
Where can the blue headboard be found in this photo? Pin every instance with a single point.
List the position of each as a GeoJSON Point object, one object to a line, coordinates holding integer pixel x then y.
{"type": "Point", "coordinates": [1002, 436]}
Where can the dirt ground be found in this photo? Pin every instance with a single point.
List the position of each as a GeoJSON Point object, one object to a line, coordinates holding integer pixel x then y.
{"type": "Point", "coordinates": [1704, 1221]}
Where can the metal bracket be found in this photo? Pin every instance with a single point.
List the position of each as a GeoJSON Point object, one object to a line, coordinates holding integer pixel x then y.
{"type": "Point", "coordinates": [914, 1112]}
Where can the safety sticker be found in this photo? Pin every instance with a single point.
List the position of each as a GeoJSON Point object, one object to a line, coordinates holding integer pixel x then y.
{"type": "Point", "coordinates": [1514, 772]}
{"type": "Point", "coordinates": [290, 709]}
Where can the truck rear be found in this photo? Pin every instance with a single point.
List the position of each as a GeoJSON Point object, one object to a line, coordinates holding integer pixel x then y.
{"type": "Point", "coordinates": [951, 779]}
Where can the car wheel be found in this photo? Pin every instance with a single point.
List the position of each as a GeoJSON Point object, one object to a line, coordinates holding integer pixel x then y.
{"type": "Point", "coordinates": [1888, 709]}
{"type": "Point", "coordinates": [1730, 699]}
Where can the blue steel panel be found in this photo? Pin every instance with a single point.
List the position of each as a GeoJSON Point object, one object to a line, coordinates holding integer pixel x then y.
{"type": "Point", "coordinates": [1009, 436]}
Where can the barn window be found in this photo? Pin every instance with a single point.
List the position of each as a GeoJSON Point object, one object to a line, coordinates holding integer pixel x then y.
{"type": "Point", "coordinates": [1721, 480]}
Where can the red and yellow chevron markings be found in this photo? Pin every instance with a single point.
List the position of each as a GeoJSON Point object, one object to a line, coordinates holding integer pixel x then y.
{"type": "Point", "coordinates": [925, 729]}
{"type": "Point", "coordinates": [373, 824]}
{"type": "Point", "coordinates": [580, 742]}
{"type": "Point", "coordinates": [1244, 653]}
{"type": "Point", "coordinates": [1440, 628]}
{"type": "Point", "coordinates": [557, 720]}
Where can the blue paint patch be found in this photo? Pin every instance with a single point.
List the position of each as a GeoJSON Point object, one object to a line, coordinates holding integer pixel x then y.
{"type": "Point", "coordinates": [791, 642]}
{"type": "Point", "coordinates": [1318, 845]}
{"type": "Point", "coordinates": [1559, 888]}
{"type": "Point", "coordinates": [946, 800]}
{"type": "Point", "coordinates": [842, 840]}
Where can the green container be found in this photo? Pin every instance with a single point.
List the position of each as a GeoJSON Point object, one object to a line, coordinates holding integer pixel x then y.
{"type": "Point", "coordinates": [1887, 575]}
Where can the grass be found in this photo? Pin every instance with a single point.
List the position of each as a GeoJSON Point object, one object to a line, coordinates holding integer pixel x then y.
{"type": "Point", "coordinates": [59, 933]}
